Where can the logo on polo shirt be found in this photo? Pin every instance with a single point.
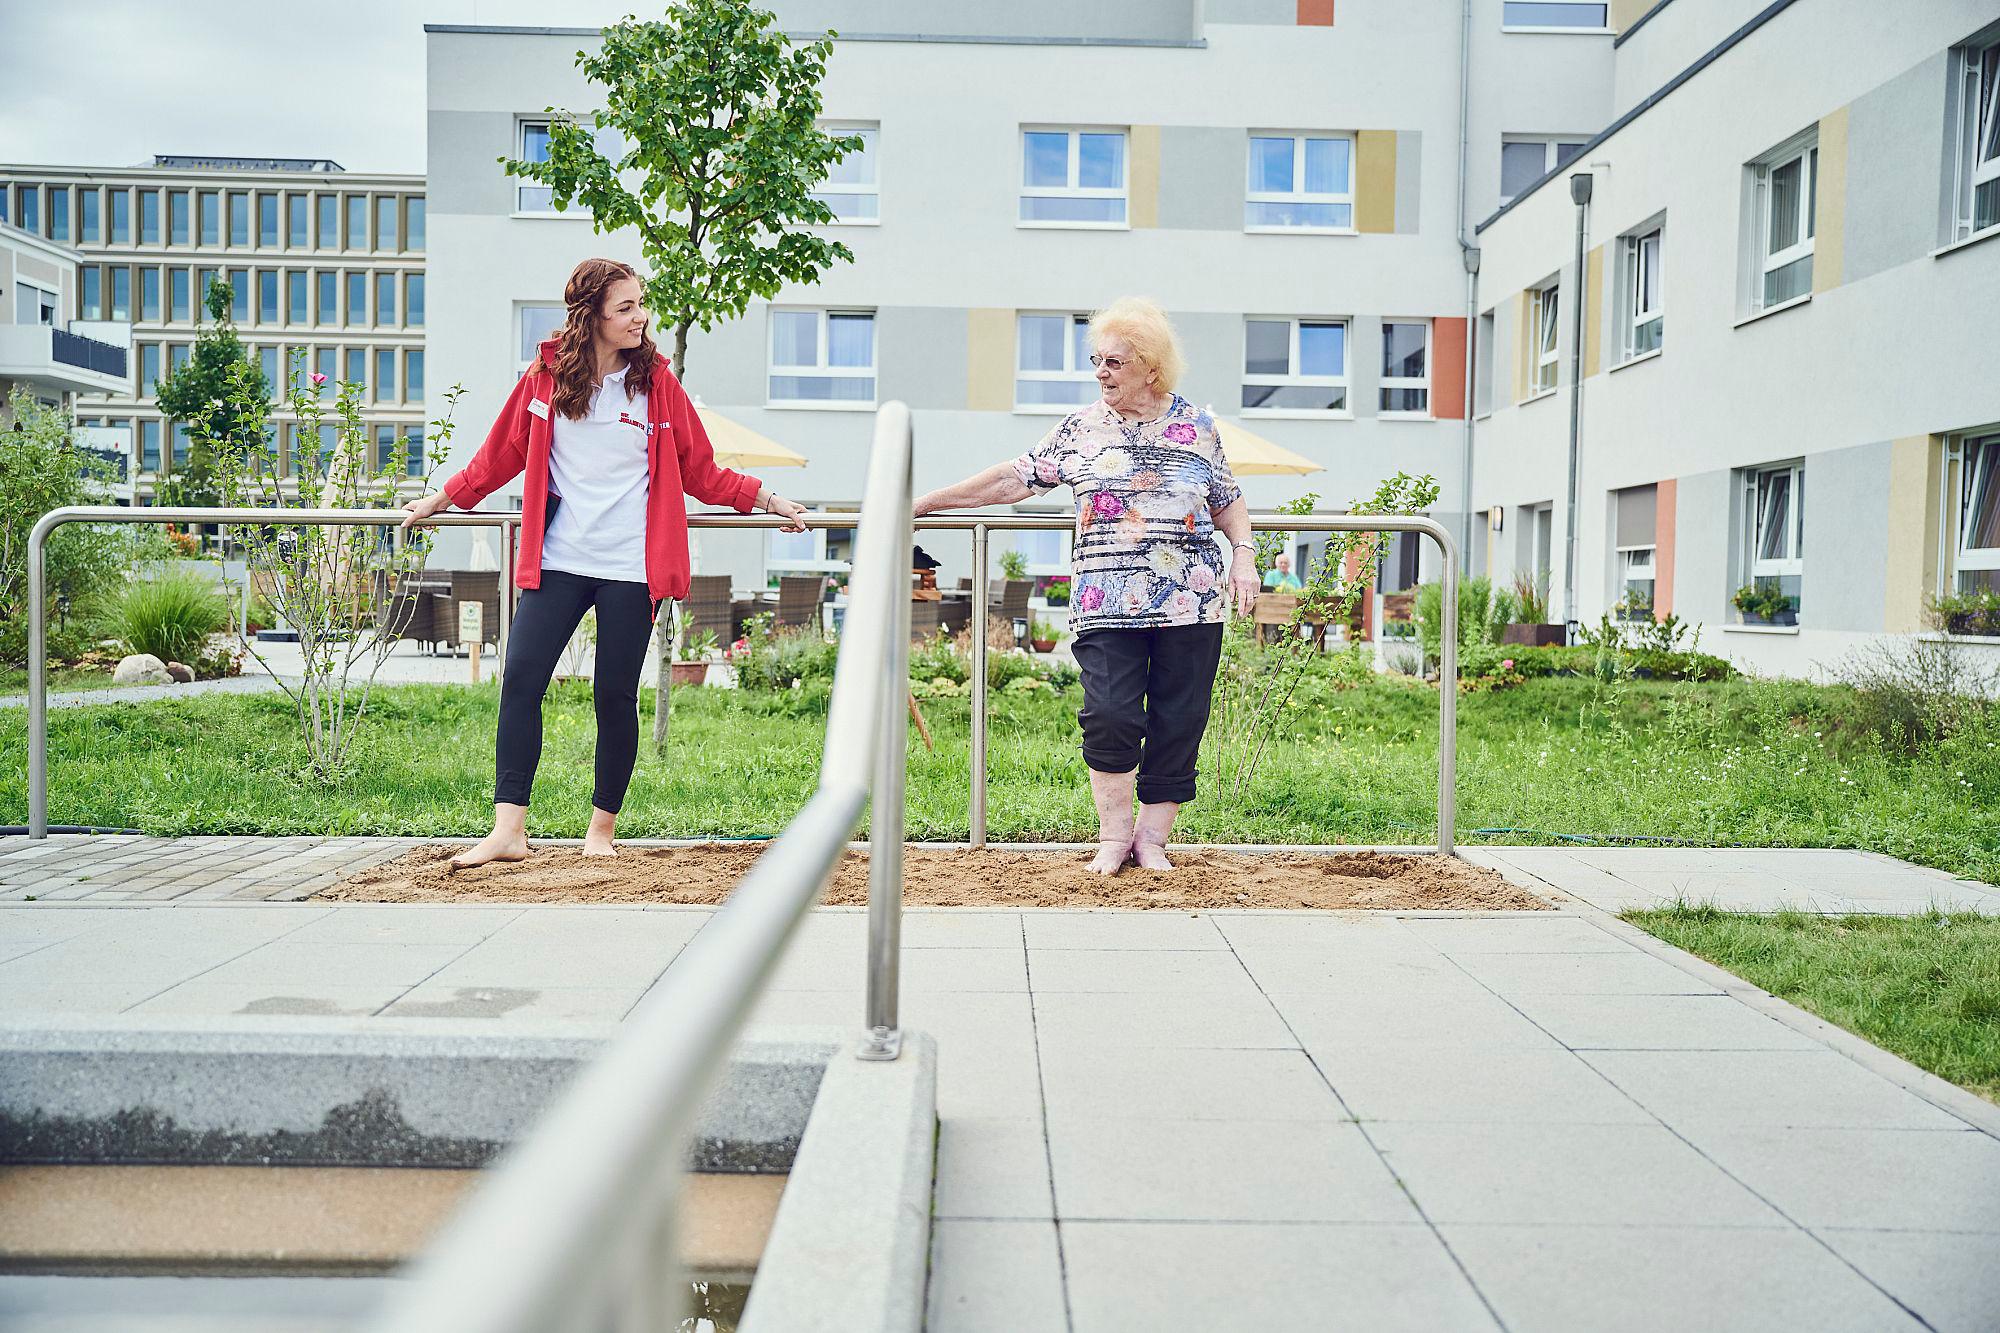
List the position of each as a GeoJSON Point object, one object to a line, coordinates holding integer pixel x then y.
{"type": "Point", "coordinates": [629, 420]}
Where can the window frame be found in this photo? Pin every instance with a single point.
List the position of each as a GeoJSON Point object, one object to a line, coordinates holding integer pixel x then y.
{"type": "Point", "coordinates": [1978, 80]}
{"type": "Point", "coordinates": [522, 184]}
{"type": "Point", "coordinates": [1547, 326]}
{"type": "Point", "coordinates": [1972, 457]}
{"type": "Point", "coordinates": [1387, 382]}
{"type": "Point", "coordinates": [1344, 381]}
{"type": "Point", "coordinates": [1552, 158]}
{"type": "Point", "coordinates": [1299, 194]}
{"type": "Point", "coordinates": [1074, 170]}
{"type": "Point", "coordinates": [1638, 316]}
{"type": "Point", "coordinates": [1803, 149]}
{"type": "Point", "coordinates": [871, 372]}
{"type": "Point", "coordinates": [1572, 29]}
{"type": "Point", "coordinates": [521, 342]}
{"type": "Point", "coordinates": [1629, 566]}
{"type": "Point", "coordinates": [872, 188]}
{"type": "Point", "coordinates": [1080, 374]}
{"type": "Point", "coordinates": [1793, 562]}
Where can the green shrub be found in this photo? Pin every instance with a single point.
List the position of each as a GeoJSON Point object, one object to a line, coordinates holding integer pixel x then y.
{"type": "Point", "coordinates": [1481, 660]}
{"type": "Point", "coordinates": [1483, 613]}
{"type": "Point", "coordinates": [170, 616]}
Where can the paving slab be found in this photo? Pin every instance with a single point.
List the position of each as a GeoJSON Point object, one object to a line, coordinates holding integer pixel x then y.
{"type": "Point", "coordinates": [200, 999]}
{"type": "Point", "coordinates": [1166, 1084]}
{"type": "Point", "coordinates": [1324, 1021]}
{"type": "Point", "coordinates": [1893, 1179]}
{"type": "Point", "coordinates": [1947, 1278]}
{"type": "Point", "coordinates": [1180, 972]}
{"type": "Point", "coordinates": [1121, 930]}
{"type": "Point", "coordinates": [1475, 1085]}
{"type": "Point", "coordinates": [1094, 1018]}
{"type": "Point", "coordinates": [1658, 1022]}
{"type": "Point", "coordinates": [995, 1277]}
{"type": "Point", "coordinates": [1824, 881]}
{"type": "Point", "coordinates": [989, 1167]}
{"type": "Point", "coordinates": [1795, 1089]}
{"type": "Point", "coordinates": [1632, 973]}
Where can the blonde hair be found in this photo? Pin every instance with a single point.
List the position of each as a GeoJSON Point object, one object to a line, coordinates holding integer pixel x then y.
{"type": "Point", "coordinates": [1143, 324]}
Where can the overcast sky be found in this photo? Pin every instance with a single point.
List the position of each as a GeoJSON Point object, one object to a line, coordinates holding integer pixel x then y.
{"type": "Point", "coordinates": [112, 82]}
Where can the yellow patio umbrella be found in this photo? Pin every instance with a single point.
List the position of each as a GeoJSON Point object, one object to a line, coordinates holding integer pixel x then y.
{"type": "Point", "coordinates": [1250, 454]}
{"type": "Point", "coordinates": [737, 446]}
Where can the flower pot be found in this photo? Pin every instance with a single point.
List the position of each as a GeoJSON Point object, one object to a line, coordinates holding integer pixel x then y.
{"type": "Point", "coordinates": [690, 673]}
{"type": "Point", "coordinates": [1533, 636]}
{"type": "Point", "coordinates": [1043, 645]}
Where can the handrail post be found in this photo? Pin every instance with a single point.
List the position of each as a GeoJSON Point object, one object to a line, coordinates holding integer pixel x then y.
{"type": "Point", "coordinates": [38, 685]}
{"type": "Point", "coordinates": [979, 611]}
{"type": "Point", "coordinates": [883, 1039]}
{"type": "Point", "coordinates": [1448, 700]}
{"type": "Point", "coordinates": [506, 599]}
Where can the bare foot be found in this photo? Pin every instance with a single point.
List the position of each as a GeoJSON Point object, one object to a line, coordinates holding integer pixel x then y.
{"type": "Point", "coordinates": [498, 845]}
{"type": "Point", "coordinates": [1110, 857]}
{"type": "Point", "coordinates": [1150, 855]}
{"type": "Point", "coordinates": [597, 839]}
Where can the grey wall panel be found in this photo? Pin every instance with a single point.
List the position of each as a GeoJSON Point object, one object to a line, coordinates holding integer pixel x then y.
{"type": "Point", "coordinates": [1703, 507]}
{"type": "Point", "coordinates": [464, 175]}
{"type": "Point", "coordinates": [1202, 173]}
{"type": "Point", "coordinates": [1213, 344]}
{"type": "Point", "coordinates": [1364, 365]}
{"type": "Point", "coordinates": [1890, 171]}
{"type": "Point", "coordinates": [1845, 585]}
{"type": "Point", "coordinates": [920, 355]}
{"type": "Point", "coordinates": [1156, 20]}
{"type": "Point", "coordinates": [1283, 13]}
{"type": "Point", "coordinates": [726, 364]}
{"type": "Point", "coordinates": [1409, 180]}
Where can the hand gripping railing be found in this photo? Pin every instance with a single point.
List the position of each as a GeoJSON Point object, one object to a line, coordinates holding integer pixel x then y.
{"type": "Point", "coordinates": [574, 1227]}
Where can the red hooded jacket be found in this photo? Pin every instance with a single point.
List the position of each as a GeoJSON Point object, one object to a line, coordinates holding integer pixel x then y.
{"type": "Point", "coordinates": [680, 460]}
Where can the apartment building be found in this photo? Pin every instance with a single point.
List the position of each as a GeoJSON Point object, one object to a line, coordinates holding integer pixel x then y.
{"type": "Point", "coordinates": [326, 267]}
{"type": "Point", "coordinates": [1284, 176]}
{"type": "Point", "coordinates": [1782, 385]}
{"type": "Point", "coordinates": [51, 357]}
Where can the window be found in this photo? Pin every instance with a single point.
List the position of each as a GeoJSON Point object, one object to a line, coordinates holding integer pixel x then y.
{"type": "Point", "coordinates": [1635, 520]}
{"type": "Point", "coordinates": [1482, 366]}
{"type": "Point", "coordinates": [534, 147]}
{"type": "Point", "coordinates": [149, 444]}
{"type": "Point", "coordinates": [537, 322]}
{"type": "Point", "coordinates": [1570, 15]}
{"type": "Point", "coordinates": [1053, 363]}
{"type": "Point", "coordinates": [1773, 523]}
{"type": "Point", "coordinates": [1645, 325]}
{"type": "Point", "coordinates": [149, 217]}
{"type": "Point", "coordinates": [121, 217]}
{"type": "Point", "coordinates": [149, 295]}
{"type": "Point", "coordinates": [1073, 178]}
{"type": "Point", "coordinates": [323, 364]}
{"type": "Point", "coordinates": [59, 213]}
{"type": "Point", "coordinates": [413, 300]}
{"type": "Point", "coordinates": [34, 305]}
{"type": "Point", "coordinates": [88, 219]}
{"type": "Point", "coordinates": [180, 444]}
{"type": "Point", "coordinates": [177, 217]}
{"type": "Point", "coordinates": [1635, 601]}
{"type": "Point", "coordinates": [1295, 365]}
{"type": "Point", "coordinates": [177, 358]}
{"type": "Point", "coordinates": [267, 361]}
{"type": "Point", "coordinates": [413, 223]}
{"type": "Point", "coordinates": [385, 222]}
{"type": "Point", "coordinates": [357, 298]}
{"type": "Point", "coordinates": [357, 222]}
{"type": "Point", "coordinates": [1406, 368]}
{"type": "Point", "coordinates": [413, 440]}
{"type": "Point", "coordinates": [90, 294]}
{"type": "Point", "coordinates": [1300, 183]}
{"type": "Point", "coordinates": [1544, 317]}
{"type": "Point", "coordinates": [179, 309]}
{"type": "Point", "coordinates": [385, 298]}
{"type": "Point", "coordinates": [267, 220]}
{"type": "Point", "coordinates": [413, 376]}
{"type": "Point", "coordinates": [239, 218]}
{"type": "Point", "coordinates": [296, 213]}
{"type": "Point", "coordinates": [1978, 558]}
{"type": "Point", "coordinates": [385, 374]}
{"type": "Point", "coordinates": [295, 298]}
{"type": "Point", "coordinates": [28, 203]}
{"type": "Point", "coordinates": [1525, 160]}
{"type": "Point", "coordinates": [149, 368]}
{"type": "Point", "coordinates": [850, 188]}
{"type": "Point", "coordinates": [357, 369]}
{"type": "Point", "coordinates": [822, 356]}
{"type": "Point", "coordinates": [329, 297]}
{"type": "Point", "coordinates": [329, 222]}
{"type": "Point", "coordinates": [211, 217]}
{"type": "Point", "coordinates": [1787, 189]}
{"type": "Point", "coordinates": [267, 296]}
{"type": "Point", "coordinates": [239, 295]}
{"type": "Point", "coordinates": [202, 278]}
{"type": "Point", "coordinates": [121, 292]}
{"type": "Point", "coordinates": [1978, 140]}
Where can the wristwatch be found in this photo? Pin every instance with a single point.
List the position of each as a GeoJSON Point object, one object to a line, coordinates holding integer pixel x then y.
{"type": "Point", "coordinates": [1248, 546]}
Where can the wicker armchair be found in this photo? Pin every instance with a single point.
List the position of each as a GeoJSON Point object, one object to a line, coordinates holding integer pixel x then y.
{"type": "Point", "coordinates": [799, 601]}
{"type": "Point", "coordinates": [470, 585]}
{"type": "Point", "coordinates": [708, 608]}
{"type": "Point", "coordinates": [923, 619]}
{"type": "Point", "coordinates": [1007, 601]}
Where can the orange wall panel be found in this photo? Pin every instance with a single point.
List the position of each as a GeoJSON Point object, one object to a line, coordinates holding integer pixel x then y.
{"type": "Point", "coordinates": [1316, 13]}
{"type": "Point", "coordinates": [1664, 501]}
{"type": "Point", "coordinates": [1448, 368]}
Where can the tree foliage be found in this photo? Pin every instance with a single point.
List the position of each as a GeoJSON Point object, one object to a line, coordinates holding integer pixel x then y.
{"type": "Point", "coordinates": [718, 154]}
{"type": "Point", "coordinates": [202, 387]}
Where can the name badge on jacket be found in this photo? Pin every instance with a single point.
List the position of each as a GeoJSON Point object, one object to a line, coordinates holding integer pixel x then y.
{"type": "Point", "coordinates": [539, 408]}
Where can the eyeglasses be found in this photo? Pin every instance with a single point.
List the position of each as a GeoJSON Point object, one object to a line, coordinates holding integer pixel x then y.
{"type": "Point", "coordinates": [1114, 364]}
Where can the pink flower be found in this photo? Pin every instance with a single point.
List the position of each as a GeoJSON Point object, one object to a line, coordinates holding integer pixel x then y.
{"type": "Point", "coordinates": [1181, 432]}
{"type": "Point", "coordinates": [1200, 578]}
{"type": "Point", "coordinates": [1182, 605]}
{"type": "Point", "coordinates": [1507, 665]}
{"type": "Point", "coordinates": [1046, 471]}
{"type": "Point", "coordinates": [1107, 505]}
{"type": "Point", "coordinates": [1091, 598]}
{"type": "Point", "coordinates": [318, 378]}
{"type": "Point", "coordinates": [1134, 602]}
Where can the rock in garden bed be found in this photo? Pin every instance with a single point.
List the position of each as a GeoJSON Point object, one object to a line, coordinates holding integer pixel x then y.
{"type": "Point", "coordinates": [938, 877]}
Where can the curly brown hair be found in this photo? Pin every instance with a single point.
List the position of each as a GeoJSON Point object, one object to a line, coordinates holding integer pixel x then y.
{"type": "Point", "coordinates": [575, 369]}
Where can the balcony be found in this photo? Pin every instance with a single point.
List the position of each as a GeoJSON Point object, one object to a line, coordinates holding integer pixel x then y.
{"type": "Point", "coordinates": [52, 362]}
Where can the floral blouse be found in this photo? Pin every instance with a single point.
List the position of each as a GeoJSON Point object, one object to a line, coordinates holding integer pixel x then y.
{"type": "Point", "coordinates": [1145, 553]}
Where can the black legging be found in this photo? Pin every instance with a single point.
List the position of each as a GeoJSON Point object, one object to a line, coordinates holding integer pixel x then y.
{"type": "Point", "coordinates": [544, 619]}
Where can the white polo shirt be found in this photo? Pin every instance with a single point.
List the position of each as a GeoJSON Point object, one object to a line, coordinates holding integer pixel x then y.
{"type": "Point", "coordinates": [598, 466]}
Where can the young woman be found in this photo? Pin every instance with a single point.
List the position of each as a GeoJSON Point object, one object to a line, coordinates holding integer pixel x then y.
{"type": "Point", "coordinates": [608, 442]}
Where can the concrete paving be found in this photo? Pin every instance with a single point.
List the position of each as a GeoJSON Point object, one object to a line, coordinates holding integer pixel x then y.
{"type": "Point", "coordinates": [1159, 1121]}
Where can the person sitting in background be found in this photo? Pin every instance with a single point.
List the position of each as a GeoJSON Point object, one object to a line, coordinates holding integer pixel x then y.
{"type": "Point", "coordinates": [1280, 577]}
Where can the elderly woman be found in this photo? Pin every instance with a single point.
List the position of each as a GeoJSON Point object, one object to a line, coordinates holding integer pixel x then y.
{"type": "Point", "coordinates": [1149, 592]}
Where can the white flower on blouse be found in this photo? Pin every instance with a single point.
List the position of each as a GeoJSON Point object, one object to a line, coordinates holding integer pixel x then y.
{"type": "Point", "coordinates": [1166, 561]}
{"type": "Point", "coordinates": [1112, 463]}
{"type": "Point", "coordinates": [1165, 504]}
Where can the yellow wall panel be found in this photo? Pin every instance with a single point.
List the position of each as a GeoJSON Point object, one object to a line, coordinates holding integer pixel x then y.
{"type": "Point", "coordinates": [1375, 181]}
{"type": "Point", "coordinates": [1145, 177]}
{"type": "Point", "coordinates": [1830, 217]}
{"type": "Point", "coordinates": [989, 360]}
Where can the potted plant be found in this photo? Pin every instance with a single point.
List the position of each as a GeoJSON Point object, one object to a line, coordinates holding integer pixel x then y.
{"type": "Point", "coordinates": [1043, 636]}
{"type": "Point", "coordinates": [690, 665]}
{"type": "Point", "coordinates": [1056, 592]}
{"type": "Point", "coordinates": [1013, 565]}
{"type": "Point", "coordinates": [1765, 605]}
{"type": "Point", "coordinates": [1968, 613]}
{"type": "Point", "coordinates": [1531, 604]}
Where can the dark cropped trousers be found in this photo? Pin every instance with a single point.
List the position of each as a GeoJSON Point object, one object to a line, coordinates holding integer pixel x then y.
{"type": "Point", "coordinates": [544, 619]}
{"type": "Point", "coordinates": [1145, 703]}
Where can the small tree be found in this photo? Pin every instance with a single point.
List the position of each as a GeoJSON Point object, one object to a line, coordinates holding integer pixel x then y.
{"type": "Point", "coordinates": [1254, 685]}
{"type": "Point", "coordinates": [41, 468]}
{"type": "Point", "coordinates": [197, 388]}
{"type": "Point", "coordinates": [340, 589]}
{"type": "Point", "coordinates": [715, 109]}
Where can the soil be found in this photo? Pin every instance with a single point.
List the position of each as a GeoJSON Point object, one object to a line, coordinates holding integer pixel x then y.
{"type": "Point", "coordinates": [957, 877]}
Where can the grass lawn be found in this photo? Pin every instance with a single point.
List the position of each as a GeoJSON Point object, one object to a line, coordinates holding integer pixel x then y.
{"type": "Point", "coordinates": [14, 680]}
{"type": "Point", "coordinates": [1926, 988]}
{"type": "Point", "coordinates": [1756, 763]}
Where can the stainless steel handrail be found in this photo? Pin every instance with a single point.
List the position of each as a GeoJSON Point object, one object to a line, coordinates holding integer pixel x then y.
{"type": "Point", "coordinates": [979, 525]}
